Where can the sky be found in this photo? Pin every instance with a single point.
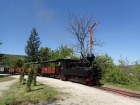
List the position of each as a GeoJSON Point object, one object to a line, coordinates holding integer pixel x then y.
{"type": "Point", "coordinates": [118, 28]}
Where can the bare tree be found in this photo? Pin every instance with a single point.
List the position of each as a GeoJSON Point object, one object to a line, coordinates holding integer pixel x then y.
{"type": "Point", "coordinates": [78, 25]}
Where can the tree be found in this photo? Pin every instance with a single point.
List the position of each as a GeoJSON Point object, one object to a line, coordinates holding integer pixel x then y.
{"type": "Point", "coordinates": [44, 53]}
{"type": "Point", "coordinates": [9, 60]}
{"type": "Point", "coordinates": [54, 54]}
{"type": "Point", "coordinates": [18, 63]}
{"type": "Point", "coordinates": [62, 52]}
{"type": "Point", "coordinates": [32, 47]}
{"type": "Point", "coordinates": [79, 27]}
{"type": "Point", "coordinates": [1, 56]}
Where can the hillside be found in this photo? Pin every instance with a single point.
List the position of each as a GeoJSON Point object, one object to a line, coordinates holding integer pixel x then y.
{"type": "Point", "coordinates": [8, 60]}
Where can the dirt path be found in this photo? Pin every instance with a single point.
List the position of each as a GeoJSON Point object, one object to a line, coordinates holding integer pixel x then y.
{"type": "Point", "coordinates": [78, 94]}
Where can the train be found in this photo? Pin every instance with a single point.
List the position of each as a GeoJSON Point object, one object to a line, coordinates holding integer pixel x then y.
{"type": "Point", "coordinates": [67, 70]}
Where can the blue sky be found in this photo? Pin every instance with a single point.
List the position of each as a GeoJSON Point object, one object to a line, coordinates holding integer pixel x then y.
{"type": "Point", "coordinates": [119, 24]}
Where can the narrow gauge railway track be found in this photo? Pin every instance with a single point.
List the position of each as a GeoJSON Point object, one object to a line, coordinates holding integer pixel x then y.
{"type": "Point", "coordinates": [120, 92]}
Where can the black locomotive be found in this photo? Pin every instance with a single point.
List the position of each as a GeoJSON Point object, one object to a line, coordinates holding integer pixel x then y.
{"type": "Point", "coordinates": [79, 71]}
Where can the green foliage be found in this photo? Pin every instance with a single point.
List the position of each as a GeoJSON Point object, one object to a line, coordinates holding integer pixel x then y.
{"type": "Point", "coordinates": [18, 63]}
{"type": "Point", "coordinates": [122, 74]}
{"type": "Point", "coordinates": [16, 95]}
{"type": "Point", "coordinates": [110, 72]}
{"type": "Point", "coordinates": [1, 55]}
{"type": "Point", "coordinates": [12, 60]}
{"type": "Point", "coordinates": [137, 71]}
{"type": "Point", "coordinates": [30, 78]}
{"type": "Point", "coordinates": [124, 66]}
{"type": "Point", "coordinates": [35, 69]}
{"type": "Point", "coordinates": [54, 54]}
{"type": "Point", "coordinates": [21, 79]}
{"type": "Point", "coordinates": [4, 78]}
{"type": "Point", "coordinates": [44, 53]}
{"type": "Point", "coordinates": [8, 61]}
{"type": "Point", "coordinates": [118, 77]}
{"type": "Point", "coordinates": [62, 52]}
{"type": "Point", "coordinates": [32, 47]}
{"type": "Point", "coordinates": [104, 63]}
{"type": "Point", "coordinates": [131, 71]}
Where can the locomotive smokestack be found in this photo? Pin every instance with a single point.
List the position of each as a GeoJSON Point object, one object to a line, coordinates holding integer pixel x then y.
{"type": "Point", "coordinates": [90, 58]}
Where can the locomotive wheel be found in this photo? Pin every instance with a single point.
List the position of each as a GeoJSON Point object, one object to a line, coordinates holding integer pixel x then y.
{"type": "Point", "coordinates": [63, 78]}
{"type": "Point", "coordinates": [90, 83]}
{"type": "Point", "coordinates": [98, 83]}
{"type": "Point", "coordinates": [83, 81]}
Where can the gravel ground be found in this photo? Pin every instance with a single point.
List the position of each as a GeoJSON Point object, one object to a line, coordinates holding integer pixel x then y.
{"type": "Point", "coordinates": [78, 94]}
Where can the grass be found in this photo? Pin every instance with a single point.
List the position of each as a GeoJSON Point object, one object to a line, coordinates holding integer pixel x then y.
{"type": "Point", "coordinates": [17, 94]}
{"type": "Point", "coordinates": [130, 87]}
{"type": "Point", "coordinates": [4, 78]}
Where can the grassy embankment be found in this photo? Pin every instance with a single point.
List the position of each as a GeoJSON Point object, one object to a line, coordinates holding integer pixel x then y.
{"type": "Point", "coordinates": [4, 78]}
{"type": "Point", "coordinates": [122, 75]}
{"type": "Point", "coordinates": [17, 95]}
{"type": "Point", "coordinates": [130, 87]}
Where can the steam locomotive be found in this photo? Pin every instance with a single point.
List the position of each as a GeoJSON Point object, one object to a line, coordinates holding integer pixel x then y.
{"type": "Point", "coordinates": [80, 72]}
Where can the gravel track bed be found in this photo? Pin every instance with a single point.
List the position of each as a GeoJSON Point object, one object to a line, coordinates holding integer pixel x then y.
{"type": "Point", "coordinates": [78, 94]}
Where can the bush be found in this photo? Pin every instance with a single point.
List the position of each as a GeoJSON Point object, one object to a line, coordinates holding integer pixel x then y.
{"type": "Point", "coordinates": [137, 72]}
{"type": "Point", "coordinates": [110, 72]}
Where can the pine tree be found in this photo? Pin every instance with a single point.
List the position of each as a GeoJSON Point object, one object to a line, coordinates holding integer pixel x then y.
{"type": "Point", "coordinates": [32, 47]}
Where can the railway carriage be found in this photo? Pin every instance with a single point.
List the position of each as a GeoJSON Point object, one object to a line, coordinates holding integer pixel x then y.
{"type": "Point", "coordinates": [11, 70]}
{"type": "Point", "coordinates": [18, 70]}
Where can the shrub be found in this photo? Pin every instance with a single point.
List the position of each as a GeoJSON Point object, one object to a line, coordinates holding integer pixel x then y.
{"type": "Point", "coordinates": [21, 79]}
{"type": "Point", "coordinates": [30, 78]}
{"type": "Point", "coordinates": [110, 72]}
{"type": "Point", "coordinates": [137, 71]}
{"type": "Point", "coordinates": [35, 69]}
